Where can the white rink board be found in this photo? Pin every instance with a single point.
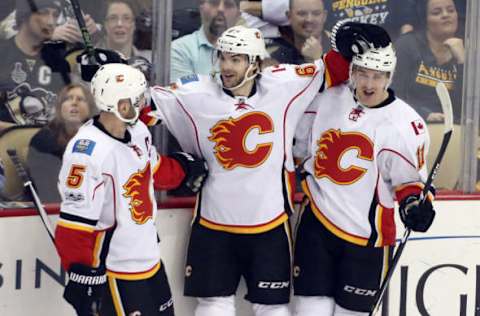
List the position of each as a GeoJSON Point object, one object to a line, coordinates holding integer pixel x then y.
{"type": "Point", "coordinates": [29, 266]}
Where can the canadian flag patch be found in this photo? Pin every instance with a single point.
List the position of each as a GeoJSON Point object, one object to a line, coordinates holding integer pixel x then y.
{"type": "Point", "coordinates": [418, 127]}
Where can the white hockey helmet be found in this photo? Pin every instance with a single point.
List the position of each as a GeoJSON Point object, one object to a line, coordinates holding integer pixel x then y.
{"type": "Point", "coordinates": [243, 40]}
{"type": "Point", "coordinates": [381, 59]}
{"type": "Point", "coordinates": [114, 82]}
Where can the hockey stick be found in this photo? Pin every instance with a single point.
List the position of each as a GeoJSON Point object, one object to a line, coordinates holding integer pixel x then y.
{"type": "Point", "coordinates": [27, 183]}
{"type": "Point", "coordinates": [446, 103]}
{"type": "Point", "coordinates": [87, 39]}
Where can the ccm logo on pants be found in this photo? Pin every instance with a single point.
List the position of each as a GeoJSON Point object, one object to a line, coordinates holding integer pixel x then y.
{"type": "Point", "coordinates": [273, 285]}
{"type": "Point", "coordinates": [359, 291]}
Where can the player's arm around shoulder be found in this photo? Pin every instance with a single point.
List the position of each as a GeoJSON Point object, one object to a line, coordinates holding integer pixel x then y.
{"type": "Point", "coordinates": [164, 100]}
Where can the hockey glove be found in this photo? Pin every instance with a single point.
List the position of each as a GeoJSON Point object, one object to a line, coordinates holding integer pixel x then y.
{"type": "Point", "coordinates": [53, 54]}
{"type": "Point", "coordinates": [196, 170]}
{"type": "Point", "coordinates": [415, 215]}
{"type": "Point", "coordinates": [89, 67]}
{"type": "Point", "coordinates": [85, 289]}
{"type": "Point", "coordinates": [350, 38]}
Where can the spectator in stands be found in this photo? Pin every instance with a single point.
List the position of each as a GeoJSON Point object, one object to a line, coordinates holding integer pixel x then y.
{"type": "Point", "coordinates": [192, 54]}
{"type": "Point", "coordinates": [120, 29]}
{"type": "Point", "coordinates": [305, 40]}
{"type": "Point", "coordinates": [73, 107]}
{"type": "Point", "coordinates": [27, 84]}
{"type": "Point", "coordinates": [433, 52]}
{"type": "Point", "coordinates": [67, 27]}
{"type": "Point", "coordinates": [266, 15]}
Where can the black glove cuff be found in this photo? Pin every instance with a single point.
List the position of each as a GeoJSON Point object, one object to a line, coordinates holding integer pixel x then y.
{"type": "Point", "coordinates": [195, 169]}
{"type": "Point", "coordinates": [85, 275]}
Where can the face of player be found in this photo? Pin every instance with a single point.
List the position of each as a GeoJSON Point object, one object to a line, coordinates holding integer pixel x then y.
{"type": "Point", "coordinates": [307, 18]}
{"type": "Point", "coordinates": [41, 24]}
{"type": "Point", "coordinates": [370, 86]}
{"type": "Point", "coordinates": [75, 107]}
{"type": "Point", "coordinates": [233, 68]}
{"type": "Point", "coordinates": [129, 111]}
{"type": "Point", "coordinates": [119, 25]}
{"type": "Point", "coordinates": [442, 18]}
{"type": "Point", "coordinates": [218, 15]}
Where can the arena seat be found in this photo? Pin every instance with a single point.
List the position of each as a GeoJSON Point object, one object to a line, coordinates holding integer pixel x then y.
{"type": "Point", "coordinates": [16, 137]}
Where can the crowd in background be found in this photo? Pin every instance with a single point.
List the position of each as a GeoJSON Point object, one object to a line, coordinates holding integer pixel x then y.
{"type": "Point", "coordinates": [40, 84]}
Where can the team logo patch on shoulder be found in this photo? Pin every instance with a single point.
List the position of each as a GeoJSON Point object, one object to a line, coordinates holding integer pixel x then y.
{"type": "Point", "coordinates": [84, 146]}
{"type": "Point", "coordinates": [418, 127]}
{"type": "Point", "coordinates": [306, 70]}
{"type": "Point", "coordinates": [189, 78]}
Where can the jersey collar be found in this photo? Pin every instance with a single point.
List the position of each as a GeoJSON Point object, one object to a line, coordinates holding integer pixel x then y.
{"type": "Point", "coordinates": [100, 126]}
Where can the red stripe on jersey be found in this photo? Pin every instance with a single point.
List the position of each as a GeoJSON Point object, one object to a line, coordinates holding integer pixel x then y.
{"type": "Point", "coordinates": [403, 191]}
{"type": "Point", "coordinates": [388, 227]}
{"type": "Point", "coordinates": [146, 118]}
{"type": "Point", "coordinates": [75, 246]}
{"type": "Point", "coordinates": [399, 154]}
{"type": "Point", "coordinates": [336, 68]}
{"type": "Point", "coordinates": [189, 117]}
{"type": "Point", "coordinates": [114, 194]}
{"type": "Point", "coordinates": [168, 175]}
{"type": "Point", "coordinates": [95, 190]}
{"type": "Point", "coordinates": [288, 107]}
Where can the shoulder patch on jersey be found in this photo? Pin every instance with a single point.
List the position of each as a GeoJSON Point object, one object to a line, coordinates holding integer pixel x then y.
{"type": "Point", "coordinates": [306, 70]}
{"type": "Point", "coordinates": [418, 127]}
{"type": "Point", "coordinates": [189, 78]}
{"type": "Point", "coordinates": [84, 146]}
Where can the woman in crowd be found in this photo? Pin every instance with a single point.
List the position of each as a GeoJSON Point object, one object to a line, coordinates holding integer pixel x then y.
{"type": "Point", "coordinates": [120, 28]}
{"type": "Point", "coordinates": [74, 106]}
{"type": "Point", "coordinates": [434, 52]}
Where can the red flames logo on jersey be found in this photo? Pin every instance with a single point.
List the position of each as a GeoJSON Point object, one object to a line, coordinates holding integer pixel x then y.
{"type": "Point", "coordinates": [230, 138]}
{"type": "Point", "coordinates": [333, 144]}
{"type": "Point", "coordinates": [137, 188]}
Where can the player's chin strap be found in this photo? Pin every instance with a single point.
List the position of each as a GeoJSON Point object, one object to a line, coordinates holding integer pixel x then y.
{"type": "Point", "coordinates": [131, 121]}
{"type": "Point", "coordinates": [245, 78]}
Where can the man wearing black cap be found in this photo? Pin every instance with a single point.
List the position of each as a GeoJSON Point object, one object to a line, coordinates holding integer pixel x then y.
{"type": "Point", "coordinates": [27, 85]}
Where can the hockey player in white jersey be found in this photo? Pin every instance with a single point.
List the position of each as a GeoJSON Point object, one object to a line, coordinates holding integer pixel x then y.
{"type": "Point", "coordinates": [106, 231]}
{"type": "Point", "coordinates": [366, 148]}
{"type": "Point", "coordinates": [242, 121]}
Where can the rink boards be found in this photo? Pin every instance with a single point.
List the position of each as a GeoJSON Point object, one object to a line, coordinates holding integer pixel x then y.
{"type": "Point", "coordinates": [439, 273]}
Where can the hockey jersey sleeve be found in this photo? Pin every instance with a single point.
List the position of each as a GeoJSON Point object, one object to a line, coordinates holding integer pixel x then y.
{"type": "Point", "coordinates": [82, 188]}
{"type": "Point", "coordinates": [336, 68]}
{"type": "Point", "coordinates": [168, 174]}
{"type": "Point", "coordinates": [402, 159]}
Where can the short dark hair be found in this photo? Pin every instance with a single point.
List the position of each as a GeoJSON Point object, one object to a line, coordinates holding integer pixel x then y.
{"type": "Point", "coordinates": [25, 8]}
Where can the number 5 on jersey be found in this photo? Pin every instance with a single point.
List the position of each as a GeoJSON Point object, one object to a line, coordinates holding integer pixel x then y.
{"type": "Point", "coordinates": [75, 176]}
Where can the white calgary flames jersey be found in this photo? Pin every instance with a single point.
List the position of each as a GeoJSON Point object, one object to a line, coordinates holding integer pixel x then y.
{"type": "Point", "coordinates": [359, 160]}
{"type": "Point", "coordinates": [247, 142]}
{"type": "Point", "coordinates": [107, 186]}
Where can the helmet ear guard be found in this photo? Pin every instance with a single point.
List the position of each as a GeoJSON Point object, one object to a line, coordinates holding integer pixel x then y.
{"type": "Point", "coordinates": [115, 82]}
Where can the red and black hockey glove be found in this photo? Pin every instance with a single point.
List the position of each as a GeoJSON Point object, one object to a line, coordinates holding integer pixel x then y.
{"type": "Point", "coordinates": [196, 170]}
{"type": "Point", "coordinates": [351, 38]}
{"type": "Point", "coordinates": [85, 288]}
{"type": "Point", "coordinates": [415, 215]}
